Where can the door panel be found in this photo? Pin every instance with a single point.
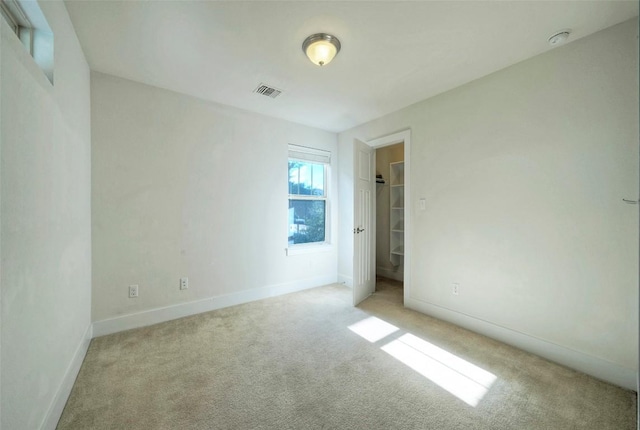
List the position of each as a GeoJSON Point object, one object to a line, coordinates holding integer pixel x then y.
{"type": "Point", "coordinates": [363, 252]}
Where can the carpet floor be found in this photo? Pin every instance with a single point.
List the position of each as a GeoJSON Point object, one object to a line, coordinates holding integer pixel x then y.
{"type": "Point", "coordinates": [310, 360]}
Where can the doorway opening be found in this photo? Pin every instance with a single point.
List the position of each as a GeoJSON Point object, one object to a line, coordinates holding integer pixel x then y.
{"type": "Point", "coordinates": [389, 216]}
{"type": "Point", "coordinates": [398, 256]}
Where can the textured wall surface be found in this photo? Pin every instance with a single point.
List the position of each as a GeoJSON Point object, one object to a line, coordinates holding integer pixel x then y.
{"type": "Point", "coordinates": [524, 172]}
{"type": "Point", "coordinates": [183, 187]}
{"type": "Point", "coordinates": [45, 170]}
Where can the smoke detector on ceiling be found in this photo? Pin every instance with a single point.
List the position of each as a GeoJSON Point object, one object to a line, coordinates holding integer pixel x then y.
{"type": "Point", "coordinates": [559, 37]}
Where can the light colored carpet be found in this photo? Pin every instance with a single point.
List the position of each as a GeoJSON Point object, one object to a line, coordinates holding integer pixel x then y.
{"type": "Point", "coordinates": [292, 362]}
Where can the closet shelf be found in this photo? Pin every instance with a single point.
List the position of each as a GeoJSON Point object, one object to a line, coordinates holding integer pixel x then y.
{"type": "Point", "coordinates": [396, 221]}
{"type": "Point", "coordinates": [399, 250]}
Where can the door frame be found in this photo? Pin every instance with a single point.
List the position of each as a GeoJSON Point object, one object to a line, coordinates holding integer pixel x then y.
{"type": "Point", "coordinates": [380, 142]}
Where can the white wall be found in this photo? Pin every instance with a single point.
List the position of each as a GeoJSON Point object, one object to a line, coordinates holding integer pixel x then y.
{"type": "Point", "coordinates": [524, 172]}
{"type": "Point", "coordinates": [384, 156]}
{"type": "Point", "coordinates": [45, 217]}
{"type": "Point", "coordinates": [183, 187]}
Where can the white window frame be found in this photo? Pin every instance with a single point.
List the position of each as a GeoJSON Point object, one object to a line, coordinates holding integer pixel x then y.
{"type": "Point", "coordinates": [26, 20]}
{"type": "Point", "coordinates": [19, 22]}
{"type": "Point", "coordinates": [315, 156]}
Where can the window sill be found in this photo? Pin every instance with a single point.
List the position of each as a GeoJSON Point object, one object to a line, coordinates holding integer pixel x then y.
{"type": "Point", "coordinates": [308, 249]}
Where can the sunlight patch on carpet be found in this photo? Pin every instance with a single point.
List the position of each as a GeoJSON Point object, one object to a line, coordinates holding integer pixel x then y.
{"type": "Point", "coordinates": [464, 380]}
{"type": "Point", "coordinates": [373, 329]}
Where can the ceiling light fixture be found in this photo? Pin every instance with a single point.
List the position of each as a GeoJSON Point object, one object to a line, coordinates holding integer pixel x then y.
{"type": "Point", "coordinates": [559, 37]}
{"type": "Point", "coordinates": [321, 48]}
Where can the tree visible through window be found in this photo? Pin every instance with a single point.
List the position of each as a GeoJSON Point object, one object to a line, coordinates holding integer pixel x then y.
{"type": "Point", "coordinates": [307, 201]}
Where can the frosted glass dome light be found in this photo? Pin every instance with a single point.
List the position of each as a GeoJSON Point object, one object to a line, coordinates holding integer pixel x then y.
{"type": "Point", "coordinates": [321, 48]}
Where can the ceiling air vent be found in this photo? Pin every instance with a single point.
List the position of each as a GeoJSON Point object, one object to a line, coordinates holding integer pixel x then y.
{"type": "Point", "coordinates": [268, 91]}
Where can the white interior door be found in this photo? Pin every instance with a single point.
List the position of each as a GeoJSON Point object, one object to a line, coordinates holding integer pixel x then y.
{"type": "Point", "coordinates": [364, 272]}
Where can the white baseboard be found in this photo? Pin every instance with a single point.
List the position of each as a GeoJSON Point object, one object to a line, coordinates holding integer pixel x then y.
{"type": "Point", "coordinates": [168, 313]}
{"type": "Point", "coordinates": [344, 279]}
{"type": "Point", "coordinates": [397, 275]}
{"type": "Point", "coordinates": [59, 401]}
{"type": "Point", "coordinates": [594, 366]}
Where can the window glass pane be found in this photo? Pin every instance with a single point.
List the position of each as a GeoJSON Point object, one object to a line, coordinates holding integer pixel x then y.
{"type": "Point", "coordinates": [294, 171]}
{"type": "Point", "coordinates": [317, 179]}
{"type": "Point", "coordinates": [306, 221]}
{"type": "Point", "coordinates": [306, 179]}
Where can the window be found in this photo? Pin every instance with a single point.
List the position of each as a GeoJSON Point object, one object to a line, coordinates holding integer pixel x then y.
{"type": "Point", "coordinates": [30, 25]}
{"type": "Point", "coordinates": [17, 20]}
{"type": "Point", "coordinates": [308, 202]}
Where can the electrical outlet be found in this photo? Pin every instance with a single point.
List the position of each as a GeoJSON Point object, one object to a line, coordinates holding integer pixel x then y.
{"type": "Point", "coordinates": [456, 289]}
{"type": "Point", "coordinates": [133, 291]}
{"type": "Point", "coordinates": [184, 283]}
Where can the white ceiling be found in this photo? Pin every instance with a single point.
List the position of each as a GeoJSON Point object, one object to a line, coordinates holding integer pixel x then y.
{"type": "Point", "coordinates": [393, 53]}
